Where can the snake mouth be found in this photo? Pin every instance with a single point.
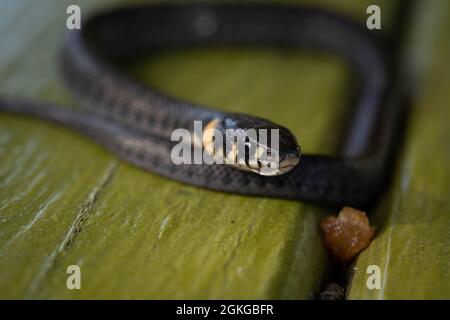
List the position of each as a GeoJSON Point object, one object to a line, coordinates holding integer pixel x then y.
{"type": "Point", "coordinates": [275, 168]}
{"type": "Point", "coordinates": [289, 162]}
{"type": "Point", "coordinates": [285, 165]}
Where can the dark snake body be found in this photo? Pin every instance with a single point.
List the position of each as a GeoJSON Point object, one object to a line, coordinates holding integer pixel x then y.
{"type": "Point", "coordinates": [135, 122]}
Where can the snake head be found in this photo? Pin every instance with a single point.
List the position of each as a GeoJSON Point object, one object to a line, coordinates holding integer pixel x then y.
{"type": "Point", "coordinates": [282, 156]}
{"type": "Point", "coordinates": [253, 144]}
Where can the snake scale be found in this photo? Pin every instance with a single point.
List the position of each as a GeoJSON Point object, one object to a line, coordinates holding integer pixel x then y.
{"type": "Point", "coordinates": [135, 122]}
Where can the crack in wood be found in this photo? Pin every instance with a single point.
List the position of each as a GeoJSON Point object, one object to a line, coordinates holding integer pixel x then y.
{"type": "Point", "coordinates": [75, 228]}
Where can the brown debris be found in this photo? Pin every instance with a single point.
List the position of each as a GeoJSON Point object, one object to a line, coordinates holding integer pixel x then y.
{"type": "Point", "coordinates": [347, 234]}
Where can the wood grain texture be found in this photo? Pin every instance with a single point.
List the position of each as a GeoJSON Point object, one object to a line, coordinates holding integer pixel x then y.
{"type": "Point", "coordinates": [412, 247]}
{"type": "Point", "coordinates": [64, 200]}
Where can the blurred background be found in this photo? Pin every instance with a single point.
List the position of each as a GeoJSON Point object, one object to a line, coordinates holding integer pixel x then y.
{"type": "Point", "coordinates": [65, 201]}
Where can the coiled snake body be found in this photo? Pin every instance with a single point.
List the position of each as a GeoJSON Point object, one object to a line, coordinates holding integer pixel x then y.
{"type": "Point", "coordinates": [135, 122]}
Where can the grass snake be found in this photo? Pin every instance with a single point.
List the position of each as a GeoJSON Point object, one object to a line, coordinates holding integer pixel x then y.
{"type": "Point", "coordinates": [135, 122]}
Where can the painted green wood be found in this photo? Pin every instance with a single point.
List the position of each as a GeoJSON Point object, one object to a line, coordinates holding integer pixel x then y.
{"type": "Point", "coordinates": [412, 248]}
{"type": "Point", "coordinates": [64, 200]}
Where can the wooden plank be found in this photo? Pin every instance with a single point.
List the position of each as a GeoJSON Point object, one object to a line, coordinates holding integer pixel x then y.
{"type": "Point", "coordinates": [64, 200]}
{"type": "Point", "coordinates": [412, 248]}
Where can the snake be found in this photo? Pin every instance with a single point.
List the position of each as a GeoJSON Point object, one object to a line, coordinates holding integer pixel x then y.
{"type": "Point", "coordinates": [135, 122]}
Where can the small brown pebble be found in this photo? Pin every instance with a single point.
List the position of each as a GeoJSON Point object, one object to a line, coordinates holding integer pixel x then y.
{"type": "Point", "coordinates": [347, 234]}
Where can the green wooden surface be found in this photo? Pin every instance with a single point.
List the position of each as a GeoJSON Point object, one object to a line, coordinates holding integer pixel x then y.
{"type": "Point", "coordinates": [412, 248]}
{"type": "Point", "coordinates": [64, 200]}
